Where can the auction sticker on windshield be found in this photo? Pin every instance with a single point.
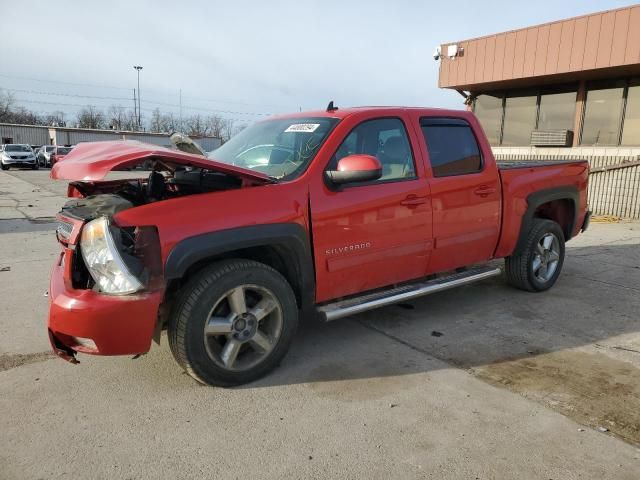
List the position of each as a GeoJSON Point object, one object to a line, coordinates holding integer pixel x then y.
{"type": "Point", "coordinates": [302, 127]}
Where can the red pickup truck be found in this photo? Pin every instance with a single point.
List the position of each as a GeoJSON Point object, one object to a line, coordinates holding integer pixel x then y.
{"type": "Point", "coordinates": [322, 214]}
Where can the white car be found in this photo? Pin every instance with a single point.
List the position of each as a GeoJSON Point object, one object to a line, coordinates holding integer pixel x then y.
{"type": "Point", "coordinates": [43, 154]}
{"type": "Point", "coordinates": [17, 155]}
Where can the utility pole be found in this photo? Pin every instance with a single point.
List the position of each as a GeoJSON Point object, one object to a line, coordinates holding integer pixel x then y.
{"type": "Point", "coordinates": [138, 68]}
{"type": "Point", "coordinates": [135, 106]}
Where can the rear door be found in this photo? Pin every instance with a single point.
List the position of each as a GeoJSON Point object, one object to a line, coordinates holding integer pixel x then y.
{"type": "Point", "coordinates": [465, 193]}
{"type": "Point", "coordinates": [374, 234]}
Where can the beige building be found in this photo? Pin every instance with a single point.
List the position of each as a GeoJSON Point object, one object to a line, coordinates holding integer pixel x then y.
{"type": "Point", "coordinates": [569, 88]}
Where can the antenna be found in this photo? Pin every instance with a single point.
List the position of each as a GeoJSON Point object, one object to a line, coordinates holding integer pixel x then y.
{"type": "Point", "coordinates": [331, 108]}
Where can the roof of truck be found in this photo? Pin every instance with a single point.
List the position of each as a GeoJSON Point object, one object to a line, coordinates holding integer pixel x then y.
{"type": "Point", "coordinates": [384, 110]}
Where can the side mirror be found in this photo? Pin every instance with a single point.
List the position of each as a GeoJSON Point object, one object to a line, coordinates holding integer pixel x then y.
{"type": "Point", "coordinates": [354, 169]}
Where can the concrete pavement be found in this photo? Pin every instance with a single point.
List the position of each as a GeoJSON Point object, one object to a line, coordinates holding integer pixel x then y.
{"type": "Point", "coordinates": [516, 385]}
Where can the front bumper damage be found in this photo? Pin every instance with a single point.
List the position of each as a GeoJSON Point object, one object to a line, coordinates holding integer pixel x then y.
{"type": "Point", "coordinates": [86, 321]}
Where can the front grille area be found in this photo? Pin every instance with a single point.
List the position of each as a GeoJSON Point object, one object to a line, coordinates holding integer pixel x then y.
{"type": "Point", "coordinates": [64, 230]}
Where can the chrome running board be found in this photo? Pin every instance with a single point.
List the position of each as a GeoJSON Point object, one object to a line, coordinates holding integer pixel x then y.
{"type": "Point", "coordinates": [351, 306]}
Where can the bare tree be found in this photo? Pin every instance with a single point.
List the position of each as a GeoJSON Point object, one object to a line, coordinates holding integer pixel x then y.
{"type": "Point", "coordinates": [116, 117]}
{"type": "Point", "coordinates": [228, 129]}
{"type": "Point", "coordinates": [6, 104]}
{"type": "Point", "coordinates": [156, 124]}
{"type": "Point", "coordinates": [130, 121]}
{"type": "Point", "coordinates": [196, 125]}
{"type": "Point", "coordinates": [169, 123]}
{"type": "Point", "coordinates": [55, 119]}
{"type": "Point", "coordinates": [216, 125]}
{"type": "Point", "coordinates": [91, 117]}
{"type": "Point", "coordinates": [24, 116]}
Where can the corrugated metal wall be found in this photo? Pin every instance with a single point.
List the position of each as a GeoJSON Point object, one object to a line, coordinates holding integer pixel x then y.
{"type": "Point", "coordinates": [38, 135]}
{"type": "Point", "coordinates": [208, 144]}
{"type": "Point", "coordinates": [24, 134]}
{"type": "Point", "coordinates": [71, 137]}
{"type": "Point", "coordinates": [614, 182]}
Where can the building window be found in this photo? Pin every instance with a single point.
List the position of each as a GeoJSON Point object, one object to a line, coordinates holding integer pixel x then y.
{"type": "Point", "coordinates": [519, 120]}
{"type": "Point", "coordinates": [557, 111]}
{"type": "Point", "coordinates": [603, 111]}
{"type": "Point", "coordinates": [488, 109]}
{"type": "Point", "coordinates": [631, 129]}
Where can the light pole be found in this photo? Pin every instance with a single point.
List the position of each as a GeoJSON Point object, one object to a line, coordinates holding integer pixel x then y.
{"type": "Point", "coordinates": [138, 68]}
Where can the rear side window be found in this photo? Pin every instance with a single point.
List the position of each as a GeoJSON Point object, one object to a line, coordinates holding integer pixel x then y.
{"type": "Point", "coordinates": [453, 149]}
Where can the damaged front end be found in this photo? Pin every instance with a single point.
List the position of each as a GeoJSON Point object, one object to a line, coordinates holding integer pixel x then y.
{"type": "Point", "coordinates": [107, 284]}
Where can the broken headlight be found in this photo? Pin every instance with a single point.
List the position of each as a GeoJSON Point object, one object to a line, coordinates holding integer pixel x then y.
{"type": "Point", "coordinates": [105, 261]}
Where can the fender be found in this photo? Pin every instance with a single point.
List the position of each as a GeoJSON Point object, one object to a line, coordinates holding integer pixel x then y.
{"type": "Point", "coordinates": [541, 197]}
{"type": "Point", "coordinates": [291, 238]}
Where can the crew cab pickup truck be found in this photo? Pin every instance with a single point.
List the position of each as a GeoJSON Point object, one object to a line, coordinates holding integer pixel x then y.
{"type": "Point", "coordinates": [311, 215]}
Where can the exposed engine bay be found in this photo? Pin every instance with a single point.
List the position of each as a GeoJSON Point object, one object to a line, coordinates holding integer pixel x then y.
{"type": "Point", "coordinates": [106, 198]}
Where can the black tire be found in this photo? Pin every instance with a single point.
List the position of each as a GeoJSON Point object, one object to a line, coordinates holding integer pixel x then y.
{"type": "Point", "coordinates": [195, 305]}
{"type": "Point", "coordinates": [5, 167]}
{"type": "Point", "coordinates": [36, 166]}
{"type": "Point", "coordinates": [519, 268]}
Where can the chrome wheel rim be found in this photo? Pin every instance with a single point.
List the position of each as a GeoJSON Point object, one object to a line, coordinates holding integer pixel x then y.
{"type": "Point", "coordinates": [546, 257]}
{"type": "Point", "coordinates": [243, 327]}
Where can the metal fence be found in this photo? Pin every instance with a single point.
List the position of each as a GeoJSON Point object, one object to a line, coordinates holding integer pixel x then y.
{"type": "Point", "coordinates": [614, 182]}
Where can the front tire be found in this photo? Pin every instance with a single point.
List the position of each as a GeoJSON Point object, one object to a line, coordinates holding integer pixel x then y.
{"type": "Point", "coordinates": [537, 266]}
{"type": "Point", "coordinates": [5, 167]}
{"type": "Point", "coordinates": [233, 323]}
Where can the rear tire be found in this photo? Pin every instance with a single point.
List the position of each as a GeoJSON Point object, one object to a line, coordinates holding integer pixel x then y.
{"type": "Point", "coordinates": [233, 323]}
{"type": "Point", "coordinates": [537, 266]}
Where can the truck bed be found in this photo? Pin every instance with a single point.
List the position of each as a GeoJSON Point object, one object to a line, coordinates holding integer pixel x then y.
{"type": "Point", "coordinates": [510, 164]}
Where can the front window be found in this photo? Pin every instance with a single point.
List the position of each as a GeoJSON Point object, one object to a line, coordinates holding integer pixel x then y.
{"type": "Point", "coordinates": [18, 148]}
{"type": "Point", "coordinates": [384, 138]}
{"type": "Point", "coordinates": [280, 148]}
{"type": "Point", "coordinates": [557, 111]}
{"type": "Point", "coordinates": [64, 150]}
{"type": "Point", "coordinates": [631, 130]}
{"type": "Point", "coordinates": [519, 120]}
{"type": "Point", "coordinates": [602, 117]}
{"type": "Point", "coordinates": [488, 109]}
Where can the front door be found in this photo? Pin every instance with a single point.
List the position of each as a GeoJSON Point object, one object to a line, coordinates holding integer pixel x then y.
{"type": "Point", "coordinates": [367, 236]}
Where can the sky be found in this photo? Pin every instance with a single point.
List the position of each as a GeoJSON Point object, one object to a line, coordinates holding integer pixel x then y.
{"type": "Point", "coordinates": [246, 59]}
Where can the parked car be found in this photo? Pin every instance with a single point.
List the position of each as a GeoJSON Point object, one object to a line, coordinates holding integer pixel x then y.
{"type": "Point", "coordinates": [44, 155]}
{"type": "Point", "coordinates": [58, 153]}
{"type": "Point", "coordinates": [355, 209]}
{"type": "Point", "coordinates": [17, 155]}
{"type": "Point", "coordinates": [35, 149]}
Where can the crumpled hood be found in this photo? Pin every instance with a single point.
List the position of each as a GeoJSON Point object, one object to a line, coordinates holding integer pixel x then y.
{"type": "Point", "coordinates": [94, 160]}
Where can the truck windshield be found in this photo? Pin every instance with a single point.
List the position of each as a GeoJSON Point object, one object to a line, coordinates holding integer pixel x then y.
{"type": "Point", "coordinates": [280, 148]}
